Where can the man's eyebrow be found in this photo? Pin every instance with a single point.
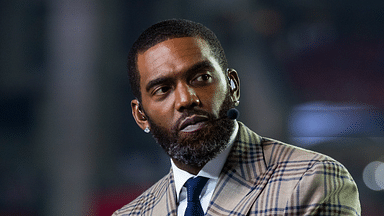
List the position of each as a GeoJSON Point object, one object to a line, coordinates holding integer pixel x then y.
{"type": "Point", "coordinates": [196, 67]}
{"type": "Point", "coordinates": [200, 65]}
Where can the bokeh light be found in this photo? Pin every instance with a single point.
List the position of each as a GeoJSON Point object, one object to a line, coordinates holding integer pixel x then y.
{"type": "Point", "coordinates": [373, 175]}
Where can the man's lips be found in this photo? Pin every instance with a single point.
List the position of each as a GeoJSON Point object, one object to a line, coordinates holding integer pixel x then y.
{"type": "Point", "coordinates": [192, 120]}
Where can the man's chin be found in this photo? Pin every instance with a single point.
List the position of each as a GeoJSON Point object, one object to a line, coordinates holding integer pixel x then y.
{"type": "Point", "coordinates": [199, 147]}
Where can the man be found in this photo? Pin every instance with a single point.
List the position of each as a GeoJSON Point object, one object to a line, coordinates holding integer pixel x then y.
{"type": "Point", "coordinates": [184, 89]}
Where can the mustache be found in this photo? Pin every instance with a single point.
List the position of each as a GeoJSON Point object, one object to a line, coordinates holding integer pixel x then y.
{"type": "Point", "coordinates": [189, 113]}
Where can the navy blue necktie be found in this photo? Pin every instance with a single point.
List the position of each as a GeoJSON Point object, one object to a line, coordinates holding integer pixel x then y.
{"type": "Point", "coordinates": [194, 188]}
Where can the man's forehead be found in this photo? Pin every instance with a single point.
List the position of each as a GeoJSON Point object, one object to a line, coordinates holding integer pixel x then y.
{"type": "Point", "coordinates": [172, 53]}
{"type": "Point", "coordinates": [174, 45]}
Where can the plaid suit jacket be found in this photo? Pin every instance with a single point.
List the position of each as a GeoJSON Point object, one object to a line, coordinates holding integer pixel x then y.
{"type": "Point", "coordinates": [264, 177]}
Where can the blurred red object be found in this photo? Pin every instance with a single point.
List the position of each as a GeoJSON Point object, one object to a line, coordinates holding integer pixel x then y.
{"type": "Point", "coordinates": [108, 201]}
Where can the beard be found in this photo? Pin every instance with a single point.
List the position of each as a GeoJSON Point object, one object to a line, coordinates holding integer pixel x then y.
{"type": "Point", "coordinates": [201, 146]}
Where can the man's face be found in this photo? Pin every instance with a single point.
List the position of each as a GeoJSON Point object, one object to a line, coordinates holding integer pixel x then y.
{"type": "Point", "coordinates": [185, 97]}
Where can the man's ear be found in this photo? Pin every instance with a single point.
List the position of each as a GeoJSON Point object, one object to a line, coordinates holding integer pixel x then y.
{"type": "Point", "coordinates": [234, 84]}
{"type": "Point", "coordinates": [139, 115]}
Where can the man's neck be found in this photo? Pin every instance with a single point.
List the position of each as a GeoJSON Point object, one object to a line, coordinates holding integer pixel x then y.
{"type": "Point", "coordinates": [189, 168]}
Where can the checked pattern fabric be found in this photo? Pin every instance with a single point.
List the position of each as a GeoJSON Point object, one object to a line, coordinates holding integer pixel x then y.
{"type": "Point", "coordinates": [194, 188]}
{"type": "Point", "coordinates": [264, 177]}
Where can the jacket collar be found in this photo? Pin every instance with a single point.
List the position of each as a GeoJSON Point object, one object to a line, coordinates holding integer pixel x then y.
{"type": "Point", "coordinates": [244, 176]}
{"type": "Point", "coordinates": [246, 157]}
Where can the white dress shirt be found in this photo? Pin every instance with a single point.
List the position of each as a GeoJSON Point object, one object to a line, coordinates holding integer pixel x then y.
{"type": "Point", "coordinates": [211, 170]}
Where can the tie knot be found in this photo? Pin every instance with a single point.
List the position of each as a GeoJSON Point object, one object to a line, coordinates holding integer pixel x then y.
{"type": "Point", "coordinates": [194, 187]}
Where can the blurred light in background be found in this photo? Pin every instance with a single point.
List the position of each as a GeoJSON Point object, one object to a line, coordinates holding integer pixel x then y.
{"type": "Point", "coordinates": [316, 122]}
{"type": "Point", "coordinates": [373, 175]}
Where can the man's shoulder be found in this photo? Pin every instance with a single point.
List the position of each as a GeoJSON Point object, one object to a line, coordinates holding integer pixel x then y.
{"type": "Point", "coordinates": [290, 158]}
{"type": "Point", "coordinates": [280, 152]}
{"type": "Point", "coordinates": [147, 200]}
{"type": "Point", "coordinates": [292, 151]}
{"type": "Point", "coordinates": [304, 176]}
{"type": "Point", "coordinates": [276, 153]}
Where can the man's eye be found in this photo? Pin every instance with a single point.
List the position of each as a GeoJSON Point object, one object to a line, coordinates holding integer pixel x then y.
{"type": "Point", "coordinates": [161, 90]}
{"type": "Point", "coordinates": [203, 78]}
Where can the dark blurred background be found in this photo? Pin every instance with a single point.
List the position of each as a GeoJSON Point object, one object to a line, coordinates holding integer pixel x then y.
{"type": "Point", "coordinates": [311, 75]}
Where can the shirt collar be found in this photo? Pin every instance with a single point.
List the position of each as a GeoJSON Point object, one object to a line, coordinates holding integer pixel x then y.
{"type": "Point", "coordinates": [211, 170]}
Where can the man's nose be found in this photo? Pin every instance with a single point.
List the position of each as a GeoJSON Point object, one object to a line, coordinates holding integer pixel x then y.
{"type": "Point", "coordinates": [186, 97]}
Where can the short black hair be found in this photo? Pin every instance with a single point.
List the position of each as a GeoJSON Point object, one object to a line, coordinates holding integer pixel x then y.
{"type": "Point", "coordinates": [165, 30]}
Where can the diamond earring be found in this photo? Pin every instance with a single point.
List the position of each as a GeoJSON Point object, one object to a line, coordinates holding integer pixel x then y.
{"type": "Point", "coordinates": [146, 130]}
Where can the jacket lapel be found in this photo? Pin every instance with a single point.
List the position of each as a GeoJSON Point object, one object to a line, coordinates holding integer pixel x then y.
{"type": "Point", "coordinates": [243, 178]}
